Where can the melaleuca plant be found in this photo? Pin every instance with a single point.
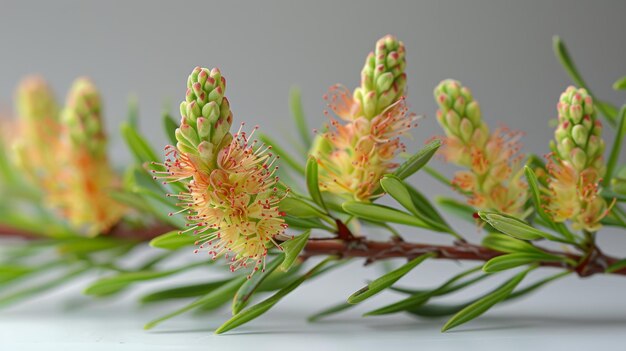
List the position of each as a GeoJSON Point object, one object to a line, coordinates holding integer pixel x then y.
{"type": "Point", "coordinates": [234, 197]}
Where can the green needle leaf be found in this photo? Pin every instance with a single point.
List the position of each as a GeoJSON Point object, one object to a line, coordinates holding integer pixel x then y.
{"type": "Point", "coordinates": [512, 226]}
{"type": "Point", "coordinates": [380, 213]}
{"type": "Point", "coordinates": [173, 240]}
{"type": "Point", "coordinates": [139, 147]}
{"type": "Point", "coordinates": [516, 259]}
{"type": "Point", "coordinates": [611, 165]}
{"type": "Point", "coordinates": [295, 104]}
{"type": "Point", "coordinates": [418, 298]}
{"type": "Point", "coordinates": [438, 310]}
{"type": "Point", "coordinates": [112, 284]}
{"type": "Point", "coordinates": [215, 297]}
{"type": "Point", "coordinates": [484, 304]}
{"type": "Point", "coordinates": [299, 208]}
{"type": "Point", "coordinates": [505, 243]}
{"type": "Point", "coordinates": [387, 280]}
{"type": "Point", "coordinates": [22, 294]}
{"type": "Point", "coordinates": [292, 249]}
{"type": "Point", "coordinates": [535, 193]}
{"type": "Point", "coordinates": [417, 161]}
{"type": "Point", "coordinates": [247, 289]}
{"type": "Point", "coordinates": [342, 306]}
{"type": "Point", "coordinates": [312, 182]}
{"type": "Point", "coordinates": [414, 202]}
{"type": "Point", "coordinates": [182, 292]}
{"type": "Point", "coordinates": [170, 125]}
{"type": "Point", "coordinates": [620, 84]}
{"type": "Point", "coordinates": [257, 310]}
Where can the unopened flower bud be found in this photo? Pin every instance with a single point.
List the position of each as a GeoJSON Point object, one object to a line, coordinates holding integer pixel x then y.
{"type": "Point", "coordinates": [204, 109]}
{"type": "Point", "coordinates": [82, 118]}
{"type": "Point", "coordinates": [383, 80]}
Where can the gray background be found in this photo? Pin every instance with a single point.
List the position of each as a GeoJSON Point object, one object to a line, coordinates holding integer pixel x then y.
{"type": "Point", "coordinates": [501, 49]}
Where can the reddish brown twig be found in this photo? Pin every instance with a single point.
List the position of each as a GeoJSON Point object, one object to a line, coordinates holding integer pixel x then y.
{"type": "Point", "coordinates": [592, 263]}
{"type": "Point", "coordinates": [378, 250]}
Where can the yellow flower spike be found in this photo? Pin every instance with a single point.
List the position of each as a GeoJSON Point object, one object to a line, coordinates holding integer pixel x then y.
{"type": "Point", "coordinates": [493, 176]}
{"type": "Point", "coordinates": [232, 198]}
{"type": "Point", "coordinates": [82, 185]}
{"type": "Point", "coordinates": [354, 156]}
{"type": "Point", "coordinates": [38, 114]}
{"type": "Point", "coordinates": [577, 165]}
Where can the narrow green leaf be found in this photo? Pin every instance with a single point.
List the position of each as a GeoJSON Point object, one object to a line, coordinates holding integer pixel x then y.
{"type": "Point", "coordinates": [414, 202]}
{"type": "Point", "coordinates": [512, 226]}
{"type": "Point", "coordinates": [80, 246]}
{"type": "Point", "coordinates": [516, 259]}
{"type": "Point", "coordinates": [621, 264]}
{"type": "Point", "coordinates": [438, 310]}
{"type": "Point", "coordinates": [457, 208]}
{"type": "Point", "coordinates": [564, 57]}
{"type": "Point", "coordinates": [285, 157]}
{"type": "Point", "coordinates": [380, 213]}
{"type": "Point", "coordinates": [133, 111]}
{"type": "Point", "coordinates": [334, 309]}
{"type": "Point", "coordinates": [505, 243]}
{"type": "Point", "coordinates": [108, 285]}
{"type": "Point", "coordinates": [257, 310]}
{"type": "Point", "coordinates": [299, 208]}
{"type": "Point", "coordinates": [312, 182]}
{"type": "Point", "coordinates": [173, 240]}
{"type": "Point", "coordinates": [417, 161]}
{"type": "Point", "coordinates": [305, 223]}
{"type": "Point", "coordinates": [139, 147]}
{"type": "Point", "coordinates": [30, 291]}
{"type": "Point", "coordinates": [170, 125]}
{"type": "Point", "coordinates": [620, 84]}
{"type": "Point", "coordinates": [420, 297]}
{"type": "Point", "coordinates": [535, 286]}
{"type": "Point", "coordinates": [292, 249]}
{"type": "Point", "coordinates": [611, 164]}
{"type": "Point", "coordinates": [484, 304]}
{"type": "Point", "coordinates": [217, 296]}
{"type": "Point", "coordinates": [387, 280]}
{"type": "Point", "coordinates": [247, 289]}
{"type": "Point", "coordinates": [182, 292]}
{"type": "Point", "coordinates": [535, 193]}
{"type": "Point", "coordinates": [295, 104]}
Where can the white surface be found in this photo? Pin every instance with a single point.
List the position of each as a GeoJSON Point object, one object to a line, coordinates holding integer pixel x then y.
{"type": "Point", "coordinates": [572, 314]}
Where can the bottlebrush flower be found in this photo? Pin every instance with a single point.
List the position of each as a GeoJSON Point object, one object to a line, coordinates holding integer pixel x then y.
{"type": "Point", "coordinates": [577, 165]}
{"type": "Point", "coordinates": [354, 155]}
{"type": "Point", "coordinates": [39, 128]}
{"type": "Point", "coordinates": [83, 183]}
{"type": "Point", "coordinates": [232, 197]}
{"type": "Point", "coordinates": [493, 176]}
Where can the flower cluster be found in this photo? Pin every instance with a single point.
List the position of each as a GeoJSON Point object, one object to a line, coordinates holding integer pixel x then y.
{"type": "Point", "coordinates": [577, 165]}
{"type": "Point", "coordinates": [39, 128]}
{"type": "Point", "coordinates": [232, 198]}
{"type": "Point", "coordinates": [65, 153]}
{"type": "Point", "coordinates": [493, 175]}
{"type": "Point", "coordinates": [354, 155]}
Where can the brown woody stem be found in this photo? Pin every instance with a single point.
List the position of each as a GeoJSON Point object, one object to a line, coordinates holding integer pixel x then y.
{"type": "Point", "coordinates": [591, 263]}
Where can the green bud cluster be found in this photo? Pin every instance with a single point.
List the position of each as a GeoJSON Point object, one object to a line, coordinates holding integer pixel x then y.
{"type": "Point", "coordinates": [205, 115]}
{"type": "Point", "coordinates": [383, 80]}
{"type": "Point", "coordinates": [35, 100]}
{"type": "Point", "coordinates": [459, 114]}
{"type": "Point", "coordinates": [578, 138]}
{"type": "Point", "coordinates": [82, 118]}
